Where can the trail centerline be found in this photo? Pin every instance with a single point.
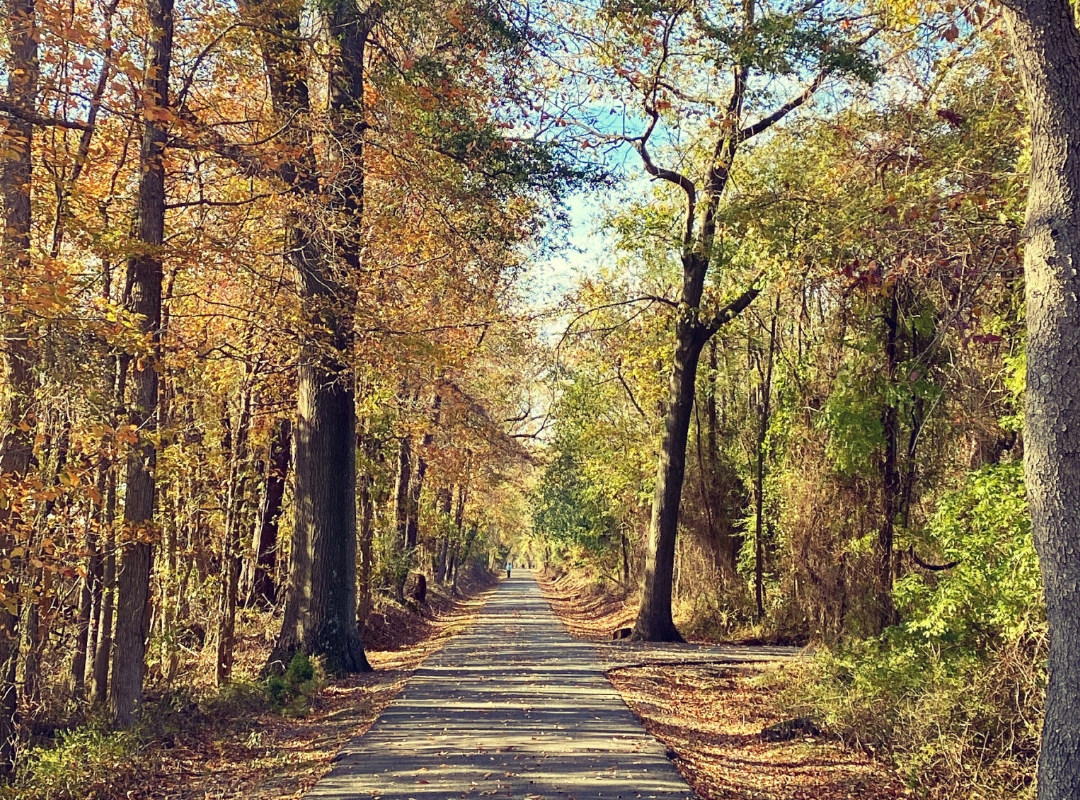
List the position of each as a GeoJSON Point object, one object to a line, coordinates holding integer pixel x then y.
{"type": "Point", "coordinates": [511, 707]}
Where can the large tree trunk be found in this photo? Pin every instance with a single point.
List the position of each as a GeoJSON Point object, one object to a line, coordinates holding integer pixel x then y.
{"type": "Point", "coordinates": [144, 299]}
{"type": "Point", "coordinates": [1047, 46]}
{"type": "Point", "coordinates": [654, 621]}
{"type": "Point", "coordinates": [321, 604]}
{"type": "Point", "coordinates": [16, 446]}
{"type": "Point", "coordinates": [320, 609]}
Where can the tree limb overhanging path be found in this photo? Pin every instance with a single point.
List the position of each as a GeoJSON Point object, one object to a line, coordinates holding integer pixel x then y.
{"type": "Point", "coordinates": [512, 707]}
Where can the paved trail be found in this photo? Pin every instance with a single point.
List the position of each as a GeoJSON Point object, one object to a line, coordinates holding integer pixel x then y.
{"type": "Point", "coordinates": [512, 707]}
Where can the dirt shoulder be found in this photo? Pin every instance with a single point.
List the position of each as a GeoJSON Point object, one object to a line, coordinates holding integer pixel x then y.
{"type": "Point", "coordinates": [260, 754]}
{"type": "Point", "coordinates": [711, 717]}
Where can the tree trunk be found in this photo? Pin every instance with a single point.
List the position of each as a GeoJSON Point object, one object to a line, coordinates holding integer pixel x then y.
{"type": "Point", "coordinates": [367, 536]}
{"type": "Point", "coordinates": [625, 556]}
{"type": "Point", "coordinates": [104, 639]}
{"type": "Point", "coordinates": [39, 587]}
{"type": "Point", "coordinates": [457, 534]}
{"type": "Point", "coordinates": [144, 299]}
{"type": "Point", "coordinates": [90, 592]}
{"type": "Point", "coordinates": [261, 585]}
{"type": "Point", "coordinates": [402, 492]}
{"type": "Point", "coordinates": [1047, 45]}
{"type": "Point", "coordinates": [416, 486]}
{"type": "Point", "coordinates": [16, 446]}
{"type": "Point", "coordinates": [759, 476]}
{"type": "Point", "coordinates": [728, 541]}
{"type": "Point", "coordinates": [890, 473]}
{"type": "Point", "coordinates": [320, 612]}
{"type": "Point", "coordinates": [231, 557]}
{"type": "Point", "coordinates": [654, 621]}
{"type": "Point", "coordinates": [402, 516]}
{"type": "Point", "coordinates": [444, 507]}
{"type": "Point", "coordinates": [320, 609]}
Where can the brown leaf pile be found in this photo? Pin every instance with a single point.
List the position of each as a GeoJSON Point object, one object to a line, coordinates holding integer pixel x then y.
{"type": "Point", "coordinates": [711, 718]}
{"type": "Point", "coordinates": [266, 756]}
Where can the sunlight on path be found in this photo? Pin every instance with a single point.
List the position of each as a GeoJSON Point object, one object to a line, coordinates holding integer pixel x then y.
{"type": "Point", "coordinates": [513, 707]}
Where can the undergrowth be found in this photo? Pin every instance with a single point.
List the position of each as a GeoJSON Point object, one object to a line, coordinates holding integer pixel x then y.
{"type": "Point", "coordinates": [95, 760]}
{"type": "Point", "coordinates": [953, 695]}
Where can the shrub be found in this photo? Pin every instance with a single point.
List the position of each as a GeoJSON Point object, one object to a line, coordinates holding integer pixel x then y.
{"type": "Point", "coordinates": [84, 762]}
{"type": "Point", "coordinates": [291, 692]}
{"type": "Point", "coordinates": [952, 695]}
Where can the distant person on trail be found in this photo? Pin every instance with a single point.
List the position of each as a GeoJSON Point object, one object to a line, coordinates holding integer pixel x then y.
{"type": "Point", "coordinates": [509, 566]}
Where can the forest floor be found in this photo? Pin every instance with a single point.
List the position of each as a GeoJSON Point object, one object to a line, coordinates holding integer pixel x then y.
{"type": "Point", "coordinates": [711, 715]}
{"type": "Point", "coordinates": [246, 750]}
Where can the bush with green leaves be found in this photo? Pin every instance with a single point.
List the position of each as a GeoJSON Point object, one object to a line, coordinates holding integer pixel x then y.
{"type": "Point", "coordinates": [953, 694]}
{"type": "Point", "coordinates": [292, 691]}
{"type": "Point", "coordinates": [81, 763]}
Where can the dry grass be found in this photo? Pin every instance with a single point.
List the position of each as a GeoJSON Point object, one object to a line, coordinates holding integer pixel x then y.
{"type": "Point", "coordinates": [711, 718]}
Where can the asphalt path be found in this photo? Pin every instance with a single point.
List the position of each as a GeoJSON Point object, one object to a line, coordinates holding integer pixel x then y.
{"type": "Point", "coordinates": [511, 707]}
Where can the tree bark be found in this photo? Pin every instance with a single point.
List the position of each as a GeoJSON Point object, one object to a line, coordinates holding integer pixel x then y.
{"type": "Point", "coordinates": [320, 609]}
{"type": "Point", "coordinates": [144, 300]}
{"type": "Point", "coordinates": [416, 486]}
{"type": "Point", "coordinates": [16, 446]}
{"type": "Point", "coordinates": [759, 476]}
{"type": "Point", "coordinates": [444, 507]}
{"type": "Point", "coordinates": [402, 498]}
{"type": "Point", "coordinates": [262, 587]}
{"type": "Point", "coordinates": [890, 471]}
{"type": "Point", "coordinates": [366, 501]}
{"type": "Point", "coordinates": [402, 492]}
{"type": "Point", "coordinates": [104, 639]}
{"type": "Point", "coordinates": [457, 535]}
{"type": "Point", "coordinates": [1047, 46]}
{"type": "Point", "coordinates": [231, 557]}
{"type": "Point", "coordinates": [90, 592]}
{"type": "Point", "coordinates": [654, 621]}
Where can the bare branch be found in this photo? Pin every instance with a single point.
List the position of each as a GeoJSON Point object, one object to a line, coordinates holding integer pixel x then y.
{"type": "Point", "coordinates": [26, 115]}
{"type": "Point", "coordinates": [929, 566]}
{"type": "Point", "coordinates": [732, 309]}
{"type": "Point", "coordinates": [629, 392]}
{"type": "Point", "coordinates": [765, 123]}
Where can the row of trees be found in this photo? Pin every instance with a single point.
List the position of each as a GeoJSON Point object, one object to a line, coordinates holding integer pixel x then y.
{"type": "Point", "coordinates": [855, 286]}
{"type": "Point", "coordinates": [264, 342]}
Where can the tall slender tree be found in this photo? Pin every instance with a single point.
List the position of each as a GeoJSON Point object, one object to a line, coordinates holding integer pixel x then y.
{"type": "Point", "coordinates": [16, 444]}
{"type": "Point", "coordinates": [658, 33]}
{"type": "Point", "coordinates": [143, 298]}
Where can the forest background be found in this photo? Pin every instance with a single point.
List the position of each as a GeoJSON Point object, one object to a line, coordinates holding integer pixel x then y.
{"type": "Point", "coordinates": [274, 284]}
